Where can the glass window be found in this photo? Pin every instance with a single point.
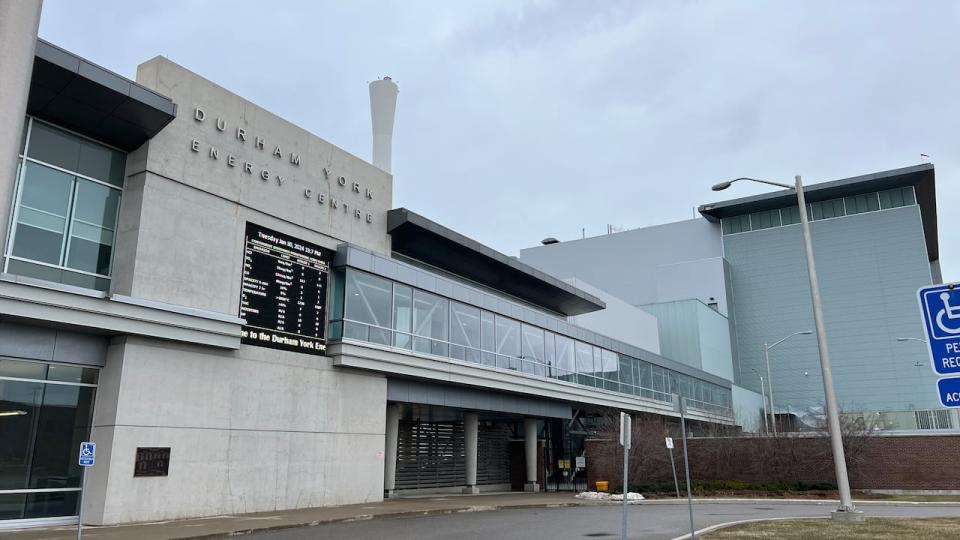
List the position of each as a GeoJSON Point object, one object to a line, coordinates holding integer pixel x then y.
{"type": "Point", "coordinates": [508, 343]}
{"type": "Point", "coordinates": [66, 222]}
{"type": "Point", "coordinates": [91, 233]}
{"type": "Point", "coordinates": [565, 358]}
{"type": "Point", "coordinates": [41, 429]}
{"type": "Point", "coordinates": [464, 332]}
{"type": "Point", "coordinates": [532, 350]}
{"type": "Point", "coordinates": [402, 316]}
{"type": "Point", "coordinates": [826, 209]}
{"type": "Point", "coordinates": [735, 224]}
{"type": "Point", "coordinates": [368, 299]}
{"type": "Point", "coordinates": [488, 338]}
{"type": "Point", "coordinates": [74, 153]}
{"type": "Point", "coordinates": [584, 358]}
{"type": "Point", "coordinates": [42, 215]}
{"type": "Point", "coordinates": [765, 219]}
{"type": "Point", "coordinates": [790, 215]}
{"type": "Point", "coordinates": [894, 198]}
{"type": "Point", "coordinates": [858, 204]}
{"type": "Point", "coordinates": [550, 353]}
{"type": "Point", "coordinates": [429, 323]}
{"type": "Point", "coordinates": [626, 374]}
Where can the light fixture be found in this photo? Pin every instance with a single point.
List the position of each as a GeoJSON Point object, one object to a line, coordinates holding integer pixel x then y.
{"type": "Point", "coordinates": [13, 413]}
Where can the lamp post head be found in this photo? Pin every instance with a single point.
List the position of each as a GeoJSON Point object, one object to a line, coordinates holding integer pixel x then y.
{"type": "Point", "coordinates": [721, 186]}
{"type": "Point", "coordinates": [807, 332]}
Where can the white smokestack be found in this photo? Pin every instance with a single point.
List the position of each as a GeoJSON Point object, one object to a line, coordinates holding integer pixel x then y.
{"type": "Point", "coordinates": [383, 109]}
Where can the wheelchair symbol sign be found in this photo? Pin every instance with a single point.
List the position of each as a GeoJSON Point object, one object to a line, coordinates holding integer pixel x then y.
{"type": "Point", "coordinates": [88, 453]}
{"type": "Point", "coordinates": [940, 308]}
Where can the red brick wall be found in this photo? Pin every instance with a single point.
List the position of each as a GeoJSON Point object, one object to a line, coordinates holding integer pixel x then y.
{"type": "Point", "coordinates": [874, 462]}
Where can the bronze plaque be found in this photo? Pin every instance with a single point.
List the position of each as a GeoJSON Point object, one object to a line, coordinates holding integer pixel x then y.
{"type": "Point", "coordinates": [152, 461]}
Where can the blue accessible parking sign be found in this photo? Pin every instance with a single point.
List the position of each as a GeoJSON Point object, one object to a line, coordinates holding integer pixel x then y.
{"type": "Point", "coordinates": [940, 306]}
{"type": "Point", "coordinates": [88, 453]}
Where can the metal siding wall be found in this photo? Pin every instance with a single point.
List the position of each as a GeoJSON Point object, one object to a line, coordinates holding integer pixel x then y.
{"type": "Point", "coordinates": [714, 333]}
{"type": "Point", "coordinates": [870, 266]}
{"type": "Point", "coordinates": [679, 331]}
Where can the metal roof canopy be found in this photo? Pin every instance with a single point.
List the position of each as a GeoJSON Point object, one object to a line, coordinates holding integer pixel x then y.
{"type": "Point", "coordinates": [69, 91]}
{"type": "Point", "coordinates": [419, 238]}
{"type": "Point", "coordinates": [921, 177]}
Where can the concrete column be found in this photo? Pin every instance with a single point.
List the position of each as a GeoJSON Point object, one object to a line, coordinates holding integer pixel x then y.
{"type": "Point", "coordinates": [392, 434]}
{"type": "Point", "coordinates": [470, 427]}
{"type": "Point", "coordinates": [530, 453]}
{"type": "Point", "coordinates": [19, 21]}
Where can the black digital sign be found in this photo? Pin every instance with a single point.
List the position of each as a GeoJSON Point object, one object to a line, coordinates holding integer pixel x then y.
{"type": "Point", "coordinates": [284, 294]}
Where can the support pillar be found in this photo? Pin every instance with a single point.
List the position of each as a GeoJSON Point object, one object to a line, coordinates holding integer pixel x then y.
{"type": "Point", "coordinates": [19, 21]}
{"type": "Point", "coordinates": [530, 454]}
{"type": "Point", "coordinates": [471, 423]}
{"type": "Point", "coordinates": [392, 436]}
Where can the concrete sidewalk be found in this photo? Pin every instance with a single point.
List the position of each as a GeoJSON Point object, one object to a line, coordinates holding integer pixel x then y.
{"type": "Point", "coordinates": [229, 525]}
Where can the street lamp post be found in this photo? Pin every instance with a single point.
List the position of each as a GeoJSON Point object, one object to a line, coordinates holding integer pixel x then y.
{"type": "Point", "coordinates": [766, 358]}
{"type": "Point", "coordinates": [846, 508]}
{"type": "Point", "coordinates": [763, 395]}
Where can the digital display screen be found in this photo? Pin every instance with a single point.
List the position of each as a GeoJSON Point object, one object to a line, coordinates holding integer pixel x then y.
{"type": "Point", "coordinates": [284, 295]}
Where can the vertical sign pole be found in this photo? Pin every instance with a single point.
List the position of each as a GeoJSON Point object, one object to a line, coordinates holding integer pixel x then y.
{"type": "Point", "coordinates": [686, 466]}
{"type": "Point", "coordinates": [673, 469]}
{"type": "Point", "coordinates": [88, 454]}
{"type": "Point", "coordinates": [625, 433]}
{"type": "Point", "coordinates": [83, 487]}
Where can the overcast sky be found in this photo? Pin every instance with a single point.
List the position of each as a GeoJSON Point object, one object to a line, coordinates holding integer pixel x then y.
{"type": "Point", "coordinates": [521, 120]}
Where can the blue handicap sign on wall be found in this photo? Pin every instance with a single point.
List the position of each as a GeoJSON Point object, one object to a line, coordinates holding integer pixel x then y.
{"type": "Point", "coordinates": [88, 453]}
{"type": "Point", "coordinates": [940, 307]}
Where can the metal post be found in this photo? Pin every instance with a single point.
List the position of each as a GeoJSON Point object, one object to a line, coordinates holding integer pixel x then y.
{"type": "Point", "coordinates": [766, 358]}
{"type": "Point", "coordinates": [83, 487]}
{"type": "Point", "coordinates": [626, 436]}
{"type": "Point", "coordinates": [763, 395]}
{"type": "Point", "coordinates": [673, 468]}
{"type": "Point", "coordinates": [626, 459]}
{"type": "Point", "coordinates": [833, 419]}
{"type": "Point", "coordinates": [686, 465]}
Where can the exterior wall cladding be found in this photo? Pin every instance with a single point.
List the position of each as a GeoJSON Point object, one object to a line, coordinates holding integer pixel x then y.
{"type": "Point", "coordinates": [870, 266]}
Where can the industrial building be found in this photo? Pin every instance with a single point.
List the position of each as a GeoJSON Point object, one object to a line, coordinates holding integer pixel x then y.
{"type": "Point", "coordinates": [725, 284]}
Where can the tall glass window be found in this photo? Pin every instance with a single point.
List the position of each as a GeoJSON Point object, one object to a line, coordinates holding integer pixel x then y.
{"type": "Point", "coordinates": [584, 354]}
{"type": "Point", "coordinates": [508, 343]}
{"type": "Point", "coordinates": [45, 412]}
{"type": "Point", "coordinates": [68, 197]}
{"type": "Point", "coordinates": [464, 332]}
{"type": "Point", "coordinates": [402, 316]}
{"type": "Point", "coordinates": [429, 323]}
{"type": "Point", "coordinates": [368, 302]}
{"type": "Point", "coordinates": [488, 338]}
{"type": "Point", "coordinates": [566, 365]}
{"type": "Point", "coordinates": [533, 361]}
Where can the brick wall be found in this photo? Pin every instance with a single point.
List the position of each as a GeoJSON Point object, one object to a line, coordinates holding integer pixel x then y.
{"type": "Point", "coordinates": [873, 462]}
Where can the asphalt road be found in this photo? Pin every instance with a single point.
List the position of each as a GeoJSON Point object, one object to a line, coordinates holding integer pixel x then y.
{"type": "Point", "coordinates": [650, 521]}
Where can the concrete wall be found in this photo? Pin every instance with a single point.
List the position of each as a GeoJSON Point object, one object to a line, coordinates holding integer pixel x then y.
{"type": "Point", "coordinates": [184, 209]}
{"type": "Point", "coordinates": [628, 264]}
{"type": "Point", "coordinates": [249, 431]}
{"type": "Point", "coordinates": [618, 320]}
{"type": "Point", "coordinates": [870, 267]}
{"type": "Point", "coordinates": [253, 429]}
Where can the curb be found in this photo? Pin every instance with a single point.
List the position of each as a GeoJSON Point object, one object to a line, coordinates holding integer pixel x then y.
{"type": "Point", "coordinates": [368, 517]}
{"type": "Point", "coordinates": [803, 501]}
{"type": "Point", "coordinates": [719, 526]}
